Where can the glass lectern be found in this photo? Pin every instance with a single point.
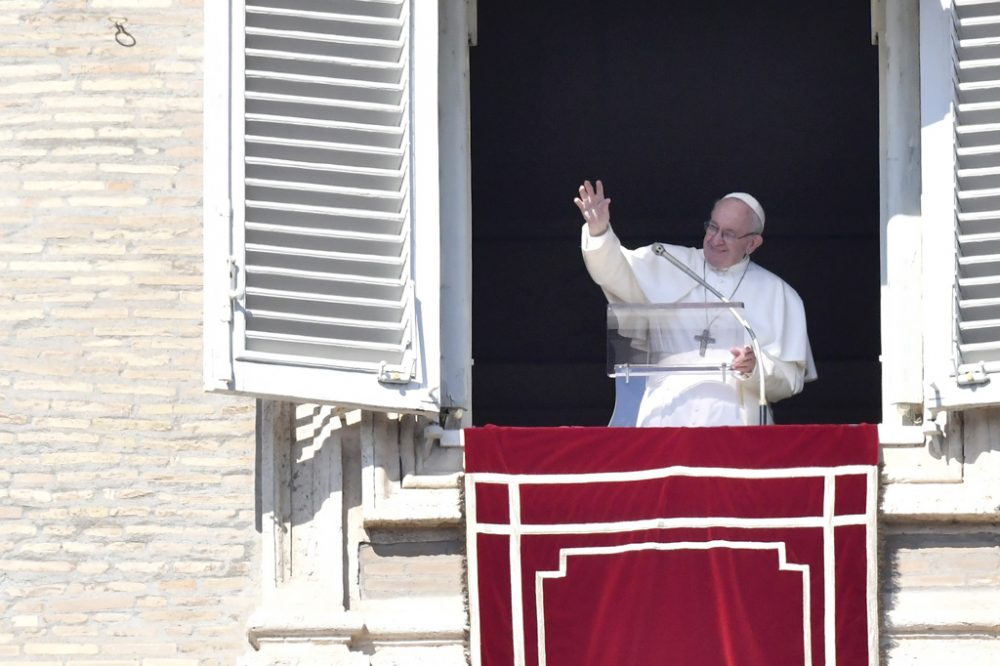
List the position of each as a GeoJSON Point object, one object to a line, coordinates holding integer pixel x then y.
{"type": "Point", "coordinates": [666, 341]}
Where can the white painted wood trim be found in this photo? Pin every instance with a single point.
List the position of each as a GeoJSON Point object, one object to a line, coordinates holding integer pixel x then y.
{"type": "Point", "coordinates": [216, 200]}
{"type": "Point", "coordinates": [425, 197]}
{"type": "Point", "coordinates": [937, 117]}
{"type": "Point", "coordinates": [901, 224]}
{"type": "Point", "coordinates": [456, 209]}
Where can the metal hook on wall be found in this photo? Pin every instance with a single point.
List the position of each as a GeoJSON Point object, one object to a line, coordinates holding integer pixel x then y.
{"type": "Point", "coordinates": [122, 36]}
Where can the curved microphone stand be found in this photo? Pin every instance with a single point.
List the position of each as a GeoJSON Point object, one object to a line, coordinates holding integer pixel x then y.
{"type": "Point", "coordinates": [660, 251]}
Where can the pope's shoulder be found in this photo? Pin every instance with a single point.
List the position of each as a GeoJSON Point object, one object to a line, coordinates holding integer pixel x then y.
{"type": "Point", "coordinates": [775, 282]}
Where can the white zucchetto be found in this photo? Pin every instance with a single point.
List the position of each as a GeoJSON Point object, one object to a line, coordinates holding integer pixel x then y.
{"type": "Point", "coordinates": [750, 201]}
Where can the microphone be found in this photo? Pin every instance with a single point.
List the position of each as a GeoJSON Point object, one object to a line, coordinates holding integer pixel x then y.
{"type": "Point", "coordinates": [661, 251]}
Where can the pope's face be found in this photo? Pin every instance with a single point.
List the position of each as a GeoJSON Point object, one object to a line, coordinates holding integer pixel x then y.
{"type": "Point", "coordinates": [735, 222]}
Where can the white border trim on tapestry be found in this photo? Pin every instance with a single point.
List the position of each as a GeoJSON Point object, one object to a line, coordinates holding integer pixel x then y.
{"type": "Point", "coordinates": [783, 565]}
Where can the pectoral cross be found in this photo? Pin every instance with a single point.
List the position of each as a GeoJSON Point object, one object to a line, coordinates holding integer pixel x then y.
{"type": "Point", "coordinates": [705, 338]}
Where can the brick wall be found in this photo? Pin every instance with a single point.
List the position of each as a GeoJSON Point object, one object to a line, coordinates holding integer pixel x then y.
{"type": "Point", "coordinates": [126, 493]}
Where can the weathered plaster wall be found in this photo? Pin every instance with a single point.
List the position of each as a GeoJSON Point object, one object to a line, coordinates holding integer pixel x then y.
{"type": "Point", "coordinates": [127, 532]}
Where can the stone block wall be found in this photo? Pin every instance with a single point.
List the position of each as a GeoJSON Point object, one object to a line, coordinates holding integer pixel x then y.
{"type": "Point", "coordinates": [941, 593]}
{"type": "Point", "coordinates": [127, 494]}
{"type": "Point", "coordinates": [127, 503]}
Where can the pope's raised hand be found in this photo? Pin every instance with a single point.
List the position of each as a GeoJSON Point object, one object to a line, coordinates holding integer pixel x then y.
{"type": "Point", "coordinates": [594, 207]}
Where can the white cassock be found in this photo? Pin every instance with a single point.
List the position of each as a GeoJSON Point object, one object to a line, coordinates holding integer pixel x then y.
{"type": "Point", "coordinates": [771, 307]}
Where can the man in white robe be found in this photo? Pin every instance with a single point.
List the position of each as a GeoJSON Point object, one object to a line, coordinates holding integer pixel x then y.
{"type": "Point", "coordinates": [772, 308]}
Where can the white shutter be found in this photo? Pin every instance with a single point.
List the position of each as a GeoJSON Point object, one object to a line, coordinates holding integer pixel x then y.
{"type": "Point", "coordinates": [964, 184]}
{"type": "Point", "coordinates": [977, 135]}
{"type": "Point", "coordinates": [330, 302]}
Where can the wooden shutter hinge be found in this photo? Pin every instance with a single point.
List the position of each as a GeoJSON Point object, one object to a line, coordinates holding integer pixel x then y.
{"type": "Point", "coordinates": [972, 376]}
{"type": "Point", "coordinates": [234, 291]}
{"type": "Point", "coordinates": [397, 374]}
{"type": "Point", "coordinates": [237, 282]}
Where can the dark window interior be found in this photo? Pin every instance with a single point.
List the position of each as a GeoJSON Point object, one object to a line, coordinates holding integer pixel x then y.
{"type": "Point", "coordinates": [671, 105]}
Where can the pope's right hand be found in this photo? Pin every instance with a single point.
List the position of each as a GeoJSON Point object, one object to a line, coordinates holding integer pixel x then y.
{"type": "Point", "coordinates": [594, 207]}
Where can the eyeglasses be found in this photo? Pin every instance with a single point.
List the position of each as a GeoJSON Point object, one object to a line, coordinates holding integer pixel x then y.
{"type": "Point", "coordinates": [728, 235]}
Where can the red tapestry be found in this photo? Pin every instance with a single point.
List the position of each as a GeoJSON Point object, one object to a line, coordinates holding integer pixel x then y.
{"type": "Point", "coordinates": [613, 546]}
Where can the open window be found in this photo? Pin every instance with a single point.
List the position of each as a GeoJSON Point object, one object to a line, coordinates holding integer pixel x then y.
{"type": "Point", "coordinates": [325, 222]}
{"type": "Point", "coordinates": [671, 105]}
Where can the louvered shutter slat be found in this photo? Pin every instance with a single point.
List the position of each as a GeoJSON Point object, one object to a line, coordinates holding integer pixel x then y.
{"type": "Point", "coordinates": [319, 326]}
{"type": "Point", "coordinates": [363, 310]}
{"type": "Point", "coordinates": [332, 196]}
{"type": "Point", "coordinates": [317, 216]}
{"type": "Point", "coordinates": [318, 352]}
{"type": "Point", "coordinates": [977, 179]}
{"type": "Point", "coordinates": [327, 184]}
{"type": "Point", "coordinates": [318, 152]}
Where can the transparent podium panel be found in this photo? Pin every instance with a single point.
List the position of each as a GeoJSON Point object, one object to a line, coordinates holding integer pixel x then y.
{"type": "Point", "coordinates": [649, 343]}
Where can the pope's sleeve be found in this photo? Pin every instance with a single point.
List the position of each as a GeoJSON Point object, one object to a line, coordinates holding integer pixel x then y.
{"type": "Point", "coordinates": [605, 261]}
{"type": "Point", "coordinates": [782, 379]}
{"type": "Point", "coordinates": [786, 360]}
